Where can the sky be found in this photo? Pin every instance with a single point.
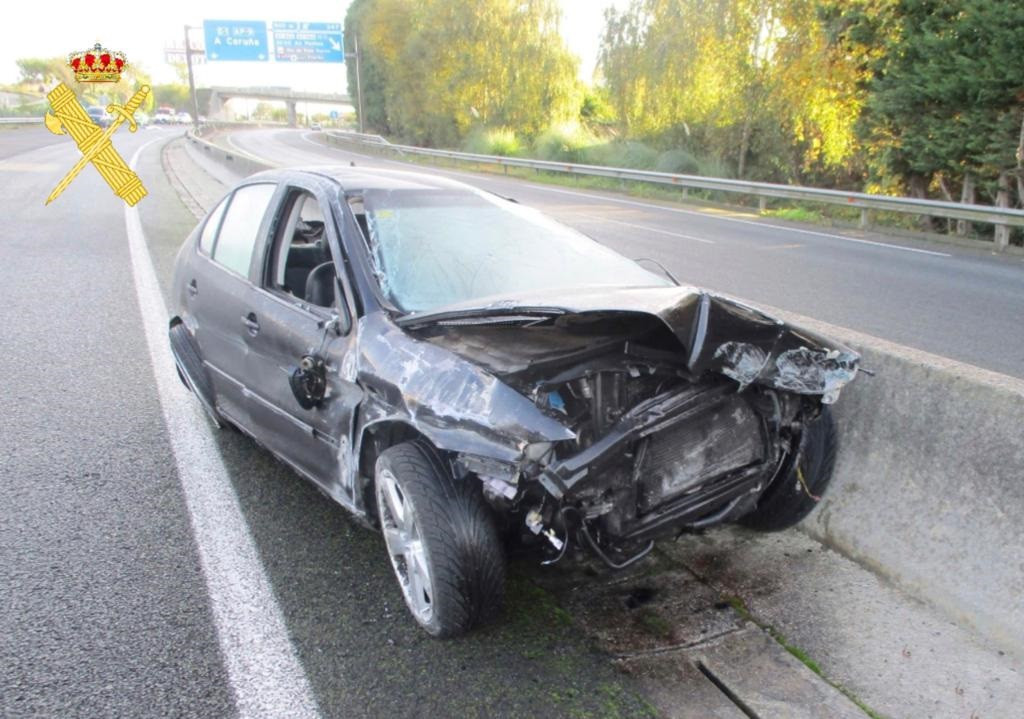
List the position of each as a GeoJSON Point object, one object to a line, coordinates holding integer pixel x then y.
{"type": "Point", "coordinates": [142, 29]}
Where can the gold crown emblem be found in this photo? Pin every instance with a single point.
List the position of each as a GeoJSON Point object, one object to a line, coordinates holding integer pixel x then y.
{"type": "Point", "coordinates": [97, 64]}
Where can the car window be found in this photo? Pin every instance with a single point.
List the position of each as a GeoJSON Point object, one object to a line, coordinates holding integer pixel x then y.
{"type": "Point", "coordinates": [210, 228]}
{"type": "Point", "coordinates": [299, 248]}
{"type": "Point", "coordinates": [311, 211]}
{"type": "Point", "coordinates": [237, 235]}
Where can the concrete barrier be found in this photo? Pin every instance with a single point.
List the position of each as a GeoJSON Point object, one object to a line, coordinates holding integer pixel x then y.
{"type": "Point", "coordinates": [929, 483]}
{"type": "Point", "coordinates": [237, 161]}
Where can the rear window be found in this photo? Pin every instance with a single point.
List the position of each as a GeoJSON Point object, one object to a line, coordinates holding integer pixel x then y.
{"type": "Point", "coordinates": [237, 236]}
{"type": "Point", "coordinates": [210, 228]}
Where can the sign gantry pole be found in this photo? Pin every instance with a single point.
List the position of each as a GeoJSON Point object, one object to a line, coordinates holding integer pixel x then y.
{"type": "Point", "coordinates": [191, 82]}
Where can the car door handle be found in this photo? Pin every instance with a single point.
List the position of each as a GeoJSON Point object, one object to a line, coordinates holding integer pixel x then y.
{"type": "Point", "coordinates": [251, 323]}
{"type": "Point", "coordinates": [193, 288]}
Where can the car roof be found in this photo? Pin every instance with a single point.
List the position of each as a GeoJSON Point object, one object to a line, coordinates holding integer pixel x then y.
{"type": "Point", "coordinates": [358, 179]}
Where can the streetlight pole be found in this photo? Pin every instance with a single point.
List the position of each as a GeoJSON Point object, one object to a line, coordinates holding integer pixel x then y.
{"type": "Point", "coordinates": [191, 81]}
{"type": "Point", "coordinates": [359, 82]}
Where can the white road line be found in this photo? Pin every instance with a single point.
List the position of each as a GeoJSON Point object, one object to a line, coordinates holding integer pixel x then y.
{"type": "Point", "coordinates": [705, 215]}
{"type": "Point", "coordinates": [650, 229]}
{"type": "Point", "coordinates": [652, 206]}
{"type": "Point", "coordinates": [265, 674]}
{"type": "Point", "coordinates": [246, 153]}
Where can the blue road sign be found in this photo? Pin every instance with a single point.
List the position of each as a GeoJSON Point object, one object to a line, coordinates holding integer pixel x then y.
{"type": "Point", "coordinates": [334, 114]}
{"type": "Point", "coordinates": [244, 40]}
{"type": "Point", "coordinates": [308, 42]}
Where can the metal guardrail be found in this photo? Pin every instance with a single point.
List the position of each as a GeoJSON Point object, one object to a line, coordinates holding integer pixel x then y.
{"type": "Point", "coordinates": [20, 120]}
{"type": "Point", "coordinates": [865, 202]}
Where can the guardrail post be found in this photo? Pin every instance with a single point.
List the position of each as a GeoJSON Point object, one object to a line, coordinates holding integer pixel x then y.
{"type": "Point", "coordinates": [1002, 234]}
{"type": "Point", "coordinates": [865, 218]}
{"type": "Point", "coordinates": [762, 204]}
{"type": "Point", "coordinates": [1002, 237]}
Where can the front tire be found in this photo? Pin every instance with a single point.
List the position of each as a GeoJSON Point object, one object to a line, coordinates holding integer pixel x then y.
{"type": "Point", "coordinates": [441, 539]}
{"type": "Point", "coordinates": [787, 500]}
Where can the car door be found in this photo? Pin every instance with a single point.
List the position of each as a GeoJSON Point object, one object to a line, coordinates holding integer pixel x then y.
{"type": "Point", "coordinates": [220, 293]}
{"type": "Point", "coordinates": [304, 402]}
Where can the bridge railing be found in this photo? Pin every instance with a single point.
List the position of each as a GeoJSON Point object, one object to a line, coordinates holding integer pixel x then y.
{"type": "Point", "coordinates": [1001, 217]}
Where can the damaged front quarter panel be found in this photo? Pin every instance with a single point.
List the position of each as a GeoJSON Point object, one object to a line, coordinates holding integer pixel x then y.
{"type": "Point", "coordinates": [617, 416]}
{"type": "Point", "coordinates": [456, 404]}
{"type": "Point", "coordinates": [751, 347]}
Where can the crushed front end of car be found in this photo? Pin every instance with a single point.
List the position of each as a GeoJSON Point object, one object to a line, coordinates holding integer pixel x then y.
{"type": "Point", "coordinates": [682, 409]}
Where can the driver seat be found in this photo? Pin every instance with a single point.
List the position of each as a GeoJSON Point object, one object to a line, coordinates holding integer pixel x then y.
{"type": "Point", "coordinates": [320, 285]}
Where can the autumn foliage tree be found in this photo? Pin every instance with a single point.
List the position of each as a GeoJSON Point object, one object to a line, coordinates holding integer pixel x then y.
{"type": "Point", "coordinates": [757, 82]}
{"type": "Point", "coordinates": [434, 69]}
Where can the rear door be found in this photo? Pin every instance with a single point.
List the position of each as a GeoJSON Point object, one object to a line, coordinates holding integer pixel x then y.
{"type": "Point", "coordinates": [303, 404]}
{"type": "Point", "coordinates": [220, 292]}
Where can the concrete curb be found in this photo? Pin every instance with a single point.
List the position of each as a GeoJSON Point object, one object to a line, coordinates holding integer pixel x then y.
{"type": "Point", "coordinates": [929, 485]}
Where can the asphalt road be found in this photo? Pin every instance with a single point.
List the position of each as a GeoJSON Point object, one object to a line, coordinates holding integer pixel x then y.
{"type": "Point", "coordinates": [108, 575]}
{"type": "Point", "coordinates": [950, 301]}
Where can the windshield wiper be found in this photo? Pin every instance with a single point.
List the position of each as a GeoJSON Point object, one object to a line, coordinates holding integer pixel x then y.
{"type": "Point", "coordinates": [660, 266]}
{"type": "Point", "coordinates": [482, 316]}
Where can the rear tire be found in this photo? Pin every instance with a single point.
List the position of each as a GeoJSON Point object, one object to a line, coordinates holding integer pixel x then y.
{"type": "Point", "coordinates": [441, 539]}
{"type": "Point", "coordinates": [786, 501]}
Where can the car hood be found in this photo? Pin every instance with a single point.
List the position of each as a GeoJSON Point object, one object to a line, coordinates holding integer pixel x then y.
{"type": "Point", "coordinates": [717, 334]}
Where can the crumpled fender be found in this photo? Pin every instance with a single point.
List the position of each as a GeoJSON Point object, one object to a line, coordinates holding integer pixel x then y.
{"type": "Point", "coordinates": [735, 340]}
{"type": "Point", "coordinates": [454, 403]}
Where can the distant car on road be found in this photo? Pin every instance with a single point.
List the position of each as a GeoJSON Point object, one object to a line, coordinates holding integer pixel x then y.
{"type": "Point", "coordinates": [98, 115]}
{"type": "Point", "coordinates": [316, 126]}
{"type": "Point", "coordinates": [462, 373]}
{"type": "Point", "coordinates": [183, 118]}
{"type": "Point", "coordinates": [164, 116]}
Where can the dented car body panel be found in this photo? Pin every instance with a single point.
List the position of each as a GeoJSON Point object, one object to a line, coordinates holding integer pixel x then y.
{"type": "Point", "coordinates": [618, 412]}
{"type": "Point", "coordinates": [717, 334]}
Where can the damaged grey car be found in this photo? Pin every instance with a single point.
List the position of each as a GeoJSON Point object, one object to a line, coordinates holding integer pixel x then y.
{"type": "Point", "coordinates": [466, 374]}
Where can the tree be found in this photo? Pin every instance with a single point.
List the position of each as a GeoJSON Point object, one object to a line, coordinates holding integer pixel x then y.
{"type": "Point", "coordinates": [47, 72]}
{"type": "Point", "coordinates": [946, 98]}
{"type": "Point", "coordinates": [759, 82]}
{"type": "Point", "coordinates": [175, 95]}
{"type": "Point", "coordinates": [433, 70]}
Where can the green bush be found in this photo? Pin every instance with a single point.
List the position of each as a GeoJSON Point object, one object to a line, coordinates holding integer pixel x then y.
{"type": "Point", "coordinates": [493, 141]}
{"type": "Point", "coordinates": [679, 162]}
{"type": "Point", "coordinates": [711, 166]}
{"type": "Point", "coordinates": [563, 143]}
{"type": "Point", "coordinates": [632, 155]}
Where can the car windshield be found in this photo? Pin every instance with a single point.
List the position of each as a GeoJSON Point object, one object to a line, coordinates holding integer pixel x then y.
{"type": "Point", "coordinates": [433, 248]}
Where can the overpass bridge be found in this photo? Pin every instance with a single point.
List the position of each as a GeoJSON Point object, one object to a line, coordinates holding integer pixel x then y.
{"type": "Point", "coordinates": [220, 94]}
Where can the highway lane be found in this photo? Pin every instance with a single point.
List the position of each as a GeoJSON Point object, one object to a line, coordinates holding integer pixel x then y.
{"type": "Point", "coordinates": [950, 301]}
{"type": "Point", "coordinates": [15, 140]}
{"type": "Point", "coordinates": [105, 610]}
{"type": "Point", "coordinates": [106, 605]}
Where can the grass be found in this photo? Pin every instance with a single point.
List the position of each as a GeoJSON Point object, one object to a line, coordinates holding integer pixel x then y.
{"type": "Point", "coordinates": [796, 214]}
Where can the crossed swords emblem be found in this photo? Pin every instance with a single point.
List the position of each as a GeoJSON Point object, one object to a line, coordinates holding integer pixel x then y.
{"type": "Point", "coordinates": [69, 116]}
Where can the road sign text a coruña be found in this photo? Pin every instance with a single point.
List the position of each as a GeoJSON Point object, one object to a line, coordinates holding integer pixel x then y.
{"type": "Point", "coordinates": [244, 40]}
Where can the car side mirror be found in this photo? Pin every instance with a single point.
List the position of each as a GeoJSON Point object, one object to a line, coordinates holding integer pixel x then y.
{"type": "Point", "coordinates": [341, 319]}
